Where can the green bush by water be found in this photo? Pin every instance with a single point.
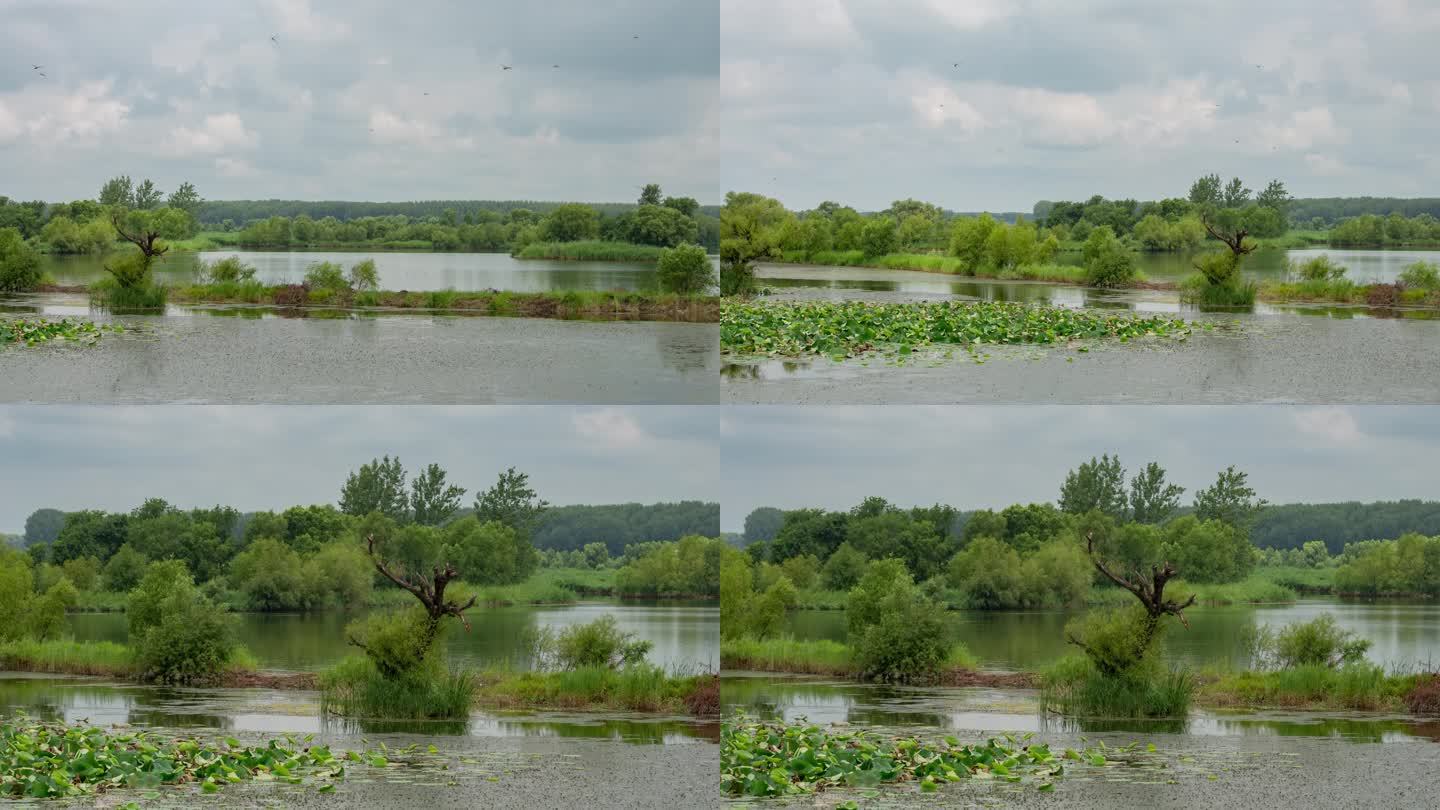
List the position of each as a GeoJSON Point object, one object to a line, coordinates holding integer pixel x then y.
{"type": "Point", "coordinates": [111, 294]}
{"type": "Point", "coordinates": [355, 687]}
{"type": "Point", "coordinates": [1074, 687]}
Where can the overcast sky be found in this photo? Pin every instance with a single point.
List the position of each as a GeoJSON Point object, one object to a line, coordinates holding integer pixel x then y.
{"type": "Point", "coordinates": [336, 107]}
{"type": "Point", "coordinates": [271, 457]}
{"type": "Point", "coordinates": [861, 101]}
{"type": "Point", "coordinates": [992, 456]}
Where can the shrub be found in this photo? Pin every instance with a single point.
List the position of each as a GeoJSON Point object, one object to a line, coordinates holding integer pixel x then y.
{"type": "Point", "coordinates": [895, 632]}
{"type": "Point", "coordinates": [1318, 642]}
{"type": "Point", "coordinates": [356, 688]}
{"type": "Point", "coordinates": [364, 276]}
{"type": "Point", "coordinates": [844, 568]}
{"type": "Point", "coordinates": [83, 572]}
{"type": "Point", "coordinates": [19, 263]}
{"type": "Point", "coordinates": [1220, 268]}
{"type": "Point", "coordinates": [1075, 686]}
{"type": "Point", "coordinates": [737, 278]}
{"type": "Point", "coordinates": [704, 699]}
{"type": "Point", "coordinates": [1116, 641]}
{"type": "Point", "coordinates": [395, 641]}
{"type": "Point", "coordinates": [599, 643]}
{"type": "Point", "coordinates": [178, 635]}
{"type": "Point", "coordinates": [229, 270]}
{"type": "Point", "coordinates": [109, 293]}
{"type": "Point", "coordinates": [1108, 263]}
{"type": "Point", "coordinates": [124, 569]}
{"type": "Point", "coordinates": [1318, 268]}
{"type": "Point", "coordinates": [1420, 275]}
{"type": "Point", "coordinates": [326, 276]}
{"type": "Point", "coordinates": [685, 269]}
{"type": "Point", "coordinates": [1424, 697]}
{"type": "Point", "coordinates": [988, 572]}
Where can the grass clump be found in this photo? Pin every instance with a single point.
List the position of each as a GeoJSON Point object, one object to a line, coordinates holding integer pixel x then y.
{"type": "Point", "coordinates": [851, 328]}
{"type": "Point", "coordinates": [785, 654]}
{"type": "Point", "coordinates": [1076, 687]}
{"type": "Point", "coordinates": [355, 687]}
{"type": "Point", "coordinates": [776, 759]}
{"type": "Point", "coordinates": [104, 658]}
{"type": "Point", "coordinates": [591, 251]}
{"type": "Point", "coordinates": [1360, 686]}
{"type": "Point", "coordinates": [108, 293]}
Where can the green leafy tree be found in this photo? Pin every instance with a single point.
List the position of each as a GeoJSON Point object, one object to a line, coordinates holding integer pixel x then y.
{"type": "Point", "coordinates": [1097, 484]}
{"type": "Point", "coordinates": [376, 487]}
{"type": "Point", "coordinates": [763, 523]}
{"type": "Point", "coordinates": [118, 191]}
{"type": "Point", "coordinates": [989, 573]}
{"type": "Point", "coordinates": [1206, 190]}
{"type": "Point", "coordinates": [124, 570]}
{"type": "Point", "coordinates": [662, 226]}
{"type": "Point", "coordinates": [19, 263]}
{"type": "Point", "coordinates": [685, 269]}
{"type": "Point", "coordinates": [185, 198]}
{"type": "Point", "coordinates": [147, 196]}
{"type": "Point", "coordinates": [650, 194]}
{"type": "Point", "coordinates": [844, 568]}
{"type": "Point", "coordinates": [571, 222]}
{"type": "Point", "coordinates": [432, 502]}
{"type": "Point", "coordinates": [1152, 498]}
{"type": "Point", "coordinates": [752, 229]}
{"type": "Point", "coordinates": [1229, 500]}
{"type": "Point", "coordinates": [685, 205]}
{"type": "Point", "coordinates": [43, 526]}
{"type": "Point", "coordinates": [512, 502]}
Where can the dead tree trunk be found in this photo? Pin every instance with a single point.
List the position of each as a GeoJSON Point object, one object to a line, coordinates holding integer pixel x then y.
{"type": "Point", "coordinates": [431, 593]}
{"type": "Point", "coordinates": [1150, 592]}
{"type": "Point", "coordinates": [1235, 241]}
{"type": "Point", "coordinates": [146, 239]}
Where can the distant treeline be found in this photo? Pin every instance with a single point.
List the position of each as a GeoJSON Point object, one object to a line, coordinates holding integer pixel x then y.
{"type": "Point", "coordinates": [215, 212]}
{"type": "Point", "coordinates": [1331, 210]}
{"type": "Point", "coordinates": [566, 528]}
{"type": "Point", "coordinates": [1282, 526]}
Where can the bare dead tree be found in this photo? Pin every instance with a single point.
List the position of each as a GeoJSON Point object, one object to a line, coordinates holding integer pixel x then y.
{"type": "Point", "coordinates": [1235, 241]}
{"type": "Point", "coordinates": [429, 590]}
{"type": "Point", "coordinates": [146, 238]}
{"type": "Point", "coordinates": [1149, 590]}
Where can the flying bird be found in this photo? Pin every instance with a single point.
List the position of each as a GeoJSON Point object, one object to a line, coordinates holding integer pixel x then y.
{"type": "Point", "coordinates": [274, 41]}
{"type": "Point", "coordinates": [36, 67]}
{"type": "Point", "coordinates": [554, 66]}
{"type": "Point", "coordinates": [505, 67]}
{"type": "Point", "coordinates": [43, 76]}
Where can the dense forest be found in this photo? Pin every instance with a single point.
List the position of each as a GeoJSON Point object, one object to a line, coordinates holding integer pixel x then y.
{"type": "Point", "coordinates": [566, 528]}
{"type": "Point", "coordinates": [1278, 526]}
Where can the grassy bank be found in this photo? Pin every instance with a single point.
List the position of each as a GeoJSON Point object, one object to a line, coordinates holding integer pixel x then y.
{"type": "Point", "coordinates": [104, 658]}
{"type": "Point", "coordinates": [591, 251]}
{"type": "Point", "coordinates": [645, 306]}
{"type": "Point", "coordinates": [812, 657]}
{"type": "Point", "coordinates": [937, 263]}
{"type": "Point", "coordinates": [851, 328]}
{"type": "Point", "coordinates": [639, 688]}
{"type": "Point", "coordinates": [1344, 291]}
{"type": "Point", "coordinates": [1361, 687]}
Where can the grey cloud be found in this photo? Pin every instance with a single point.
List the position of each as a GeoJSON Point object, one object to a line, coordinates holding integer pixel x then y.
{"type": "Point", "coordinates": [992, 456]}
{"type": "Point", "coordinates": [266, 457]}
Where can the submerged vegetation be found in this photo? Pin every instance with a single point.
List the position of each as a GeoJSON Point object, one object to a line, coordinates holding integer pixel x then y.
{"type": "Point", "coordinates": [851, 328]}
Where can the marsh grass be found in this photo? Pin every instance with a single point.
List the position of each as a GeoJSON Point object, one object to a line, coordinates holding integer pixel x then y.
{"type": "Point", "coordinates": [1363, 686]}
{"type": "Point", "coordinates": [639, 687]}
{"type": "Point", "coordinates": [109, 294]}
{"type": "Point", "coordinates": [591, 251]}
{"type": "Point", "coordinates": [105, 658]}
{"type": "Point", "coordinates": [1075, 688]}
{"type": "Point", "coordinates": [355, 688]}
{"type": "Point", "coordinates": [810, 656]}
{"type": "Point", "coordinates": [1236, 293]}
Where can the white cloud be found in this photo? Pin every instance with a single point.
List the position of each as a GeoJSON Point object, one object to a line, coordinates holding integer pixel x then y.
{"type": "Point", "coordinates": [1335, 425]}
{"type": "Point", "coordinates": [969, 15]}
{"type": "Point", "coordinates": [1304, 129]}
{"type": "Point", "coordinates": [79, 115]}
{"type": "Point", "coordinates": [298, 21]}
{"type": "Point", "coordinates": [219, 133]}
{"type": "Point", "coordinates": [233, 167]}
{"type": "Point", "coordinates": [609, 427]}
{"type": "Point", "coordinates": [790, 23]}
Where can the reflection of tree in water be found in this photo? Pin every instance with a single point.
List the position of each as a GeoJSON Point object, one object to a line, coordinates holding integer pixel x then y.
{"type": "Point", "coordinates": [174, 708]}
{"type": "Point", "coordinates": [766, 370]}
{"type": "Point", "coordinates": [684, 346]}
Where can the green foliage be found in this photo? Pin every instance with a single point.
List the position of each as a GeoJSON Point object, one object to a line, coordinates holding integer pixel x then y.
{"type": "Point", "coordinates": [1095, 485]}
{"type": "Point", "coordinates": [124, 570]}
{"type": "Point", "coordinates": [1219, 268]}
{"type": "Point", "coordinates": [1409, 564]}
{"type": "Point", "coordinates": [139, 294]}
{"type": "Point", "coordinates": [270, 575]}
{"type": "Point", "coordinates": [895, 632]}
{"type": "Point", "coordinates": [363, 276]}
{"type": "Point", "coordinates": [1318, 642]}
{"type": "Point", "coordinates": [1208, 550]}
{"type": "Point", "coordinates": [598, 643]}
{"type": "Point", "coordinates": [1421, 275]}
{"type": "Point", "coordinates": [785, 654]}
{"type": "Point", "coordinates": [432, 501]}
{"type": "Point", "coordinates": [591, 251]}
{"type": "Point", "coordinates": [687, 568]}
{"type": "Point", "coordinates": [397, 642]}
{"type": "Point", "coordinates": [1230, 500]}
{"type": "Point", "coordinates": [762, 759]}
{"type": "Point", "coordinates": [737, 591]}
{"type": "Point", "coordinates": [83, 572]}
{"type": "Point", "coordinates": [356, 687]}
{"type": "Point", "coordinates": [571, 222]}
{"type": "Point", "coordinates": [54, 760]}
{"type": "Point", "coordinates": [229, 270]}
{"type": "Point", "coordinates": [178, 635]}
{"type": "Point", "coordinates": [1317, 268]}
{"type": "Point", "coordinates": [851, 328]}
{"type": "Point", "coordinates": [751, 230]}
{"type": "Point", "coordinates": [378, 486]}
{"type": "Point", "coordinates": [19, 263]}
{"type": "Point", "coordinates": [326, 276]}
{"type": "Point", "coordinates": [1076, 687]}
{"type": "Point", "coordinates": [685, 269]}
{"type": "Point", "coordinates": [1108, 263]}
{"type": "Point", "coordinates": [844, 568]}
{"type": "Point", "coordinates": [1118, 640]}
{"type": "Point", "coordinates": [511, 501]}
{"type": "Point", "coordinates": [988, 572]}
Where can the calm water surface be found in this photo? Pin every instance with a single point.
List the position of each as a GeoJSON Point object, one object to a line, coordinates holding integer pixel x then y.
{"type": "Point", "coordinates": [1402, 634]}
{"type": "Point", "coordinates": [685, 636]}
{"type": "Point", "coordinates": [398, 270]}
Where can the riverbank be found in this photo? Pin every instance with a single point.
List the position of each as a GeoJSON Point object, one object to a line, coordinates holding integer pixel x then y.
{"type": "Point", "coordinates": [1375, 295]}
{"type": "Point", "coordinates": [643, 689]}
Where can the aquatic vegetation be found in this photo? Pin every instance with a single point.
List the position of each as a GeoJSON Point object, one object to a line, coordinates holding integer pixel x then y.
{"type": "Point", "coordinates": [33, 331]}
{"type": "Point", "coordinates": [772, 759]}
{"type": "Point", "coordinates": [851, 328]}
{"type": "Point", "coordinates": [1359, 686]}
{"type": "Point", "coordinates": [51, 760]}
{"type": "Point", "coordinates": [144, 294]}
{"type": "Point", "coordinates": [812, 656]}
{"type": "Point", "coordinates": [637, 688]}
{"type": "Point", "coordinates": [67, 656]}
{"type": "Point", "coordinates": [355, 687]}
{"type": "Point", "coordinates": [685, 269]}
{"type": "Point", "coordinates": [1074, 686]}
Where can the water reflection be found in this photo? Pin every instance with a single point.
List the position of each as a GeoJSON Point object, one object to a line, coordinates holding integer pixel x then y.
{"type": "Point", "coordinates": [75, 700]}
{"type": "Point", "coordinates": [975, 710]}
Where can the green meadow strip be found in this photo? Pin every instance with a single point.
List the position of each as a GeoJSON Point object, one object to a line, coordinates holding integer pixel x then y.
{"type": "Point", "coordinates": [851, 328]}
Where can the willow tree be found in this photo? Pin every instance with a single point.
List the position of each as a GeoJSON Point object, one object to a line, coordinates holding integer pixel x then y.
{"type": "Point", "coordinates": [1119, 643]}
